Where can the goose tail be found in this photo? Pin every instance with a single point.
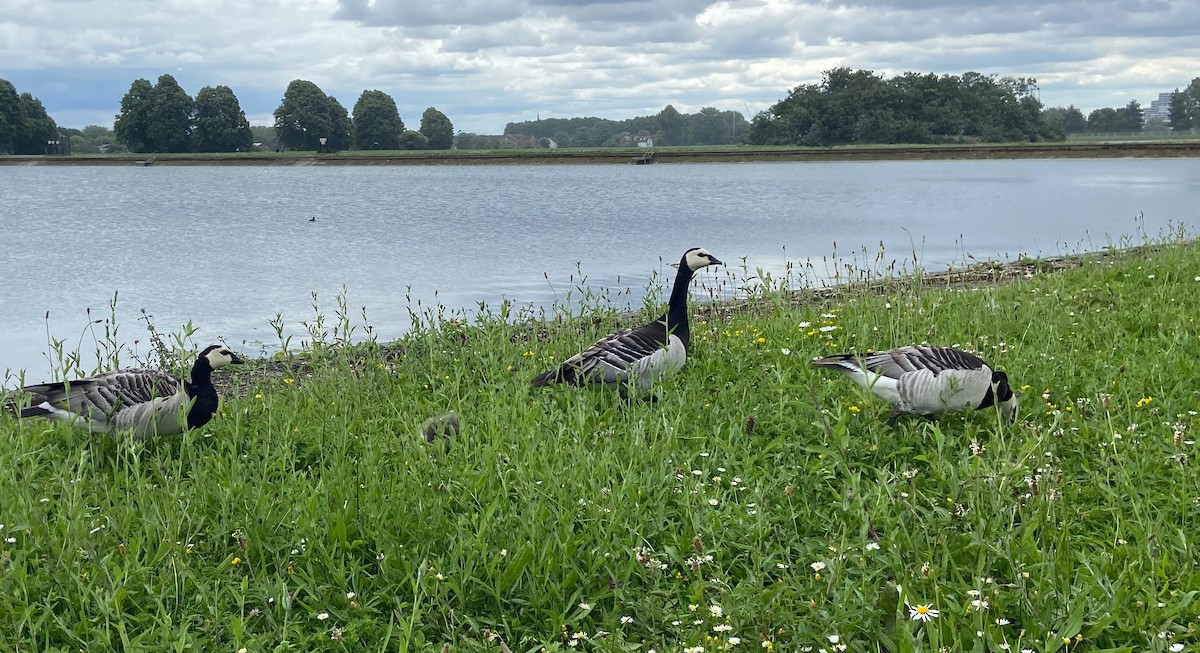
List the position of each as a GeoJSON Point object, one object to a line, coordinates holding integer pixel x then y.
{"type": "Point", "coordinates": [550, 376]}
{"type": "Point", "coordinates": [566, 373]}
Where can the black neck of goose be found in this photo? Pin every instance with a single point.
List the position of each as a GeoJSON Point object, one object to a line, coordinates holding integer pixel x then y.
{"type": "Point", "coordinates": [200, 389]}
{"type": "Point", "coordinates": [677, 309]}
{"type": "Point", "coordinates": [989, 400]}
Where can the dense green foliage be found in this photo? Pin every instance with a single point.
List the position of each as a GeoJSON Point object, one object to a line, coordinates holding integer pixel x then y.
{"type": "Point", "coordinates": [307, 115]}
{"type": "Point", "coordinates": [93, 139]}
{"type": "Point", "coordinates": [437, 129]}
{"type": "Point", "coordinates": [25, 127]}
{"type": "Point", "coordinates": [132, 125]}
{"type": "Point", "coordinates": [858, 106]}
{"type": "Point", "coordinates": [760, 504]}
{"type": "Point", "coordinates": [164, 118]}
{"type": "Point", "coordinates": [709, 126]}
{"type": "Point", "coordinates": [1128, 118]}
{"type": "Point", "coordinates": [1068, 120]}
{"type": "Point", "coordinates": [1185, 107]}
{"type": "Point", "coordinates": [377, 123]}
{"type": "Point", "coordinates": [413, 140]}
{"type": "Point", "coordinates": [265, 136]}
{"type": "Point", "coordinates": [220, 123]}
{"type": "Point", "coordinates": [172, 109]}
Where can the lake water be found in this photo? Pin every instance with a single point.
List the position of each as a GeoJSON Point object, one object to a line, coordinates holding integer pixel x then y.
{"type": "Point", "coordinates": [230, 247]}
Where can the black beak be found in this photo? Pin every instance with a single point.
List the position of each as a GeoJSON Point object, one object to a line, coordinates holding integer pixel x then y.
{"type": "Point", "coordinates": [714, 261]}
{"type": "Point", "coordinates": [235, 359]}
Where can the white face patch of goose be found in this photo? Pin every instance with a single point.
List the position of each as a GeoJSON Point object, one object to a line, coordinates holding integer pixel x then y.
{"type": "Point", "coordinates": [698, 258]}
{"type": "Point", "coordinates": [219, 356]}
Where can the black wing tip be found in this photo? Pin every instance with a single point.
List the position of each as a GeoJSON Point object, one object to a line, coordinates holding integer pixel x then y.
{"type": "Point", "coordinates": [546, 378]}
{"type": "Point", "coordinates": [831, 361]}
{"type": "Point", "coordinates": [33, 411]}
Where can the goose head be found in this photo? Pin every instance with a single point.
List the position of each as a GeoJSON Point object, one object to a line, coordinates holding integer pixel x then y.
{"type": "Point", "coordinates": [1005, 397]}
{"type": "Point", "coordinates": [696, 258]}
{"type": "Point", "coordinates": [219, 356]}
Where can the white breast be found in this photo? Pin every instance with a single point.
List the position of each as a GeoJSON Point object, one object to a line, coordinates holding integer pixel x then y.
{"type": "Point", "coordinates": [925, 394]}
{"type": "Point", "coordinates": [648, 371]}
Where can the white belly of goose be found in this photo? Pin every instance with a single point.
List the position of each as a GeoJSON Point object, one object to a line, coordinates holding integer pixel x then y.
{"type": "Point", "coordinates": [645, 372]}
{"type": "Point", "coordinates": [924, 393]}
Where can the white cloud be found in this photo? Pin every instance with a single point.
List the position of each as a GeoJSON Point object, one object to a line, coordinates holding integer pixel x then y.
{"type": "Point", "coordinates": [488, 62]}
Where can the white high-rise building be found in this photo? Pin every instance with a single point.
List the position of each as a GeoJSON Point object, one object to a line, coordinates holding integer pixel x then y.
{"type": "Point", "coordinates": [1160, 108]}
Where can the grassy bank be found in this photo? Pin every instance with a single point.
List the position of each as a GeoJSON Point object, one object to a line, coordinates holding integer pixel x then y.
{"type": "Point", "coordinates": [759, 505]}
{"type": "Point", "coordinates": [1173, 148]}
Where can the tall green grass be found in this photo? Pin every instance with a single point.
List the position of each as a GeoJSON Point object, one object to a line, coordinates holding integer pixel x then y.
{"type": "Point", "coordinates": [760, 504]}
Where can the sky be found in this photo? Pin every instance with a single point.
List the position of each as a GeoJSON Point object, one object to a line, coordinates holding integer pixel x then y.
{"type": "Point", "coordinates": [485, 63]}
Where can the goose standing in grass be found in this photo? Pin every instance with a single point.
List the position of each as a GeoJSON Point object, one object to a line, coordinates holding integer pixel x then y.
{"type": "Point", "coordinates": [638, 358]}
{"type": "Point", "coordinates": [143, 402]}
{"type": "Point", "coordinates": [926, 380]}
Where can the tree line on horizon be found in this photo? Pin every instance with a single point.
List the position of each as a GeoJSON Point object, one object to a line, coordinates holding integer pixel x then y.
{"type": "Point", "coordinates": [846, 107]}
{"type": "Point", "coordinates": [163, 118]}
{"type": "Point", "coordinates": [859, 106]}
{"type": "Point", "coordinates": [709, 126]}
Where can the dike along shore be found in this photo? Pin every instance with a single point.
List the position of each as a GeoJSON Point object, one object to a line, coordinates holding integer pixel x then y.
{"type": "Point", "coordinates": [731, 154]}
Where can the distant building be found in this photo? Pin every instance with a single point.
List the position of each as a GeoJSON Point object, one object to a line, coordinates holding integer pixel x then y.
{"type": "Point", "coordinates": [1160, 108]}
{"type": "Point", "coordinates": [645, 141]}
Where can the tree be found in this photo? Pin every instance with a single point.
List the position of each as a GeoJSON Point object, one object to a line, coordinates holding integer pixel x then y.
{"type": "Point", "coordinates": [221, 125]}
{"type": "Point", "coordinates": [377, 124]}
{"type": "Point", "coordinates": [1132, 116]}
{"type": "Point", "coordinates": [1185, 107]}
{"type": "Point", "coordinates": [1105, 120]}
{"type": "Point", "coordinates": [132, 125]}
{"type": "Point", "coordinates": [34, 127]}
{"type": "Point", "coordinates": [437, 128]}
{"type": "Point", "coordinates": [711, 127]}
{"type": "Point", "coordinates": [90, 139]}
{"type": "Point", "coordinates": [303, 116]}
{"type": "Point", "coordinates": [1069, 120]}
{"type": "Point", "coordinates": [413, 140]}
{"type": "Point", "coordinates": [670, 125]}
{"type": "Point", "coordinates": [858, 106]}
{"type": "Point", "coordinates": [10, 114]}
{"type": "Point", "coordinates": [340, 126]}
{"type": "Point", "coordinates": [171, 114]}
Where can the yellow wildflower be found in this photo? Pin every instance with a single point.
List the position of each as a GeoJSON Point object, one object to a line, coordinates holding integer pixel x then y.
{"type": "Point", "coordinates": [1144, 401]}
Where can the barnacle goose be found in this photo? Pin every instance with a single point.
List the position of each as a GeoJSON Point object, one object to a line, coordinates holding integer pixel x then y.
{"type": "Point", "coordinates": [439, 426]}
{"type": "Point", "coordinates": [925, 380]}
{"type": "Point", "coordinates": [144, 402]}
{"type": "Point", "coordinates": [638, 358]}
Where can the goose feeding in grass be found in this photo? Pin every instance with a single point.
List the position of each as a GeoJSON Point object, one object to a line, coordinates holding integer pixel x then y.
{"type": "Point", "coordinates": [927, 380]}
{"type": "Point", "coordinates": [143, 402]}
{"type": "Point", "coordinates": [636, 359]}
{"type": "Point", "coordinates": [439, 426]}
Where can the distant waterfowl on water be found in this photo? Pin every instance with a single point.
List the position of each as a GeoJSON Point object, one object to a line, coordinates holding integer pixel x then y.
{"type": "Point", "coordinates": [638, 358]}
